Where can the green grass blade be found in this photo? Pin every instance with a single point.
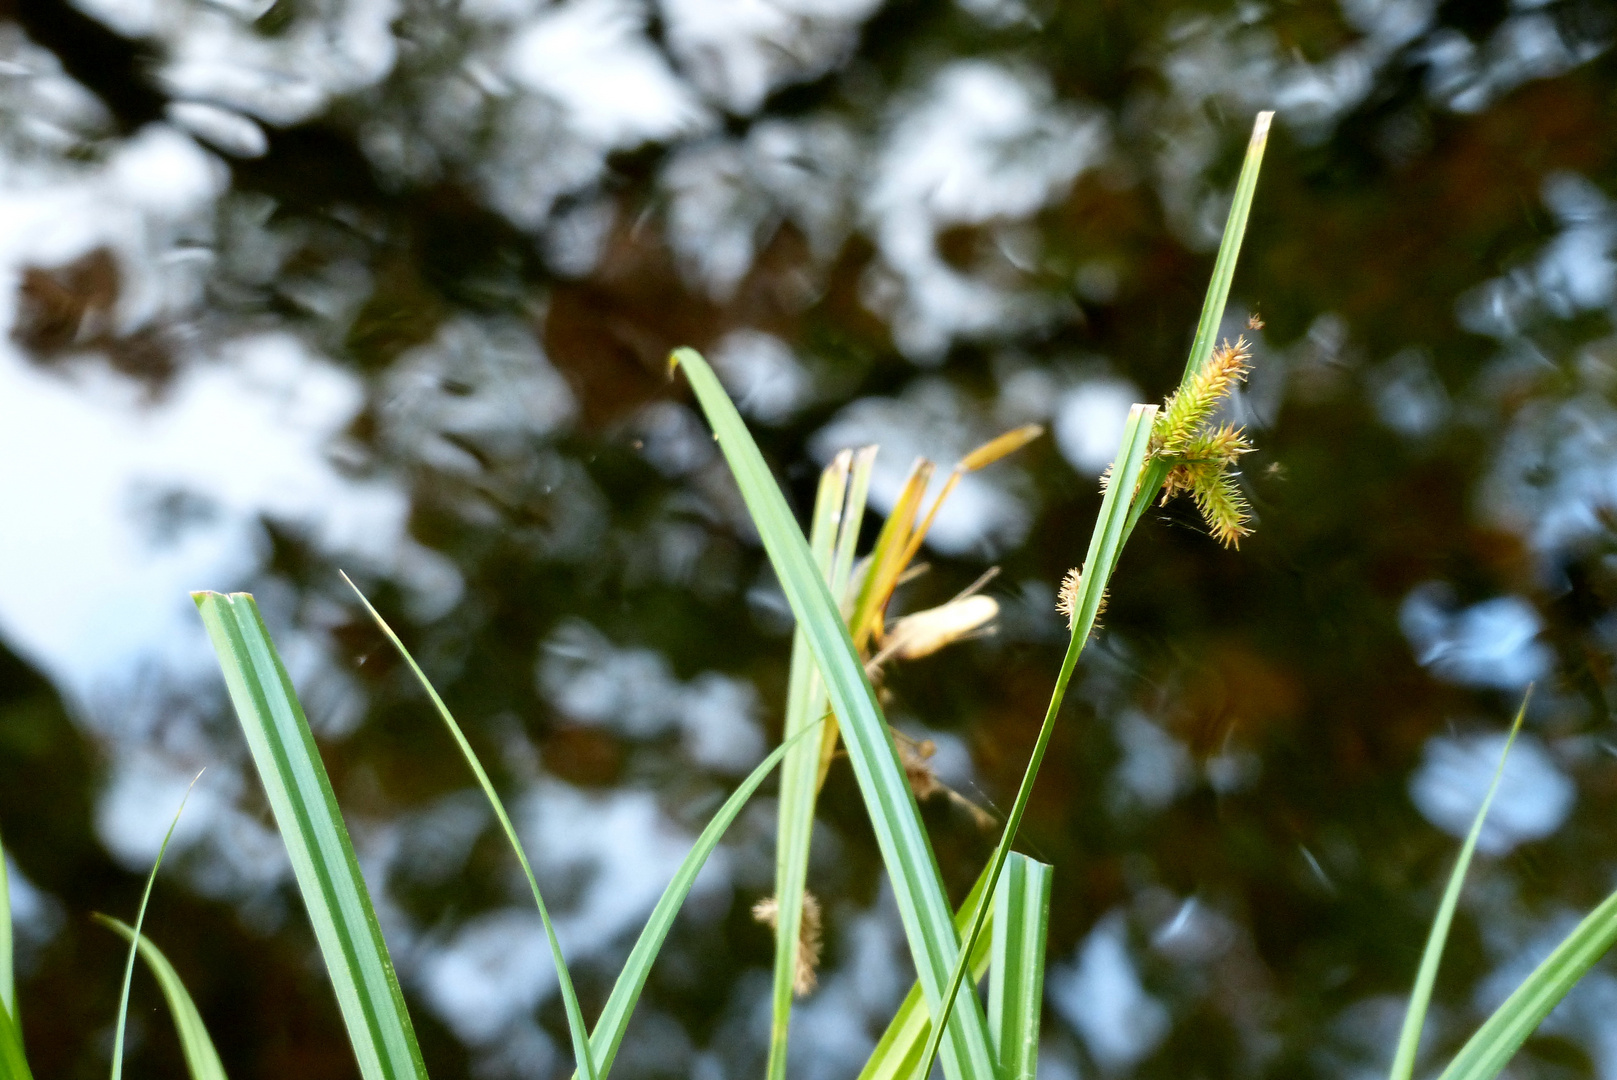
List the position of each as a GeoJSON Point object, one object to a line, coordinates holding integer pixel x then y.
{"type": "Point", "coordinates": [898, 1051]}
{"type": "Point", "coordinates": [1487, 1052]}
{"type": "Point", "coordinates": [1217, 298]}
{"type": "Point", "coordinates": [1016, 963]}
{"type": "Point", "coordinates": [853, 517]}
{"type": "Point", "coordinates": [1403, 1062]}
{"type": "Point", "coordinates": [1105, 544]}
{"type": "Point", "coordinates": [1229, 247]}
{"type": "Point", "coordinates": [134, 939]}
{"type": "Point", "coordinates": [13, 1065]}
{"type": "Point", "coordinates": [614, 1021]}
{"type": "Point", "coordinates": [8, 982]}
{"type": "Point", "coordinates": [894, 817]}
{"type": "Point", "coordinates": [575, 1016]}
{"type": "Point", "coordinates": [799, 778]}
{"type": "Point", "coordinates": [316, 839]}
{"type": "Point", "coordinates": [201, 1059]}
{"type": "Point", "coordinates": [842, 584]}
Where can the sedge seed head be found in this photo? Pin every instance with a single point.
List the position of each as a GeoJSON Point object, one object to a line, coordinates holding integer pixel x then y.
{"type": "Point", "coordinates": [1067, 597]}
{"type": "Point", "coordinates": [1201, 454]}
{"type": "Point", "coordinates": [1192, 405]}
{"type": "Point", "coordinates": [1224, 509]}
{"type": "Point", "coordinates": [809, 940]}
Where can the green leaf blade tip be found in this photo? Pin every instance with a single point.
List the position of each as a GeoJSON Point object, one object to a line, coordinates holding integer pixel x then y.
{"type": "Point", "coordinates": [317, 842]}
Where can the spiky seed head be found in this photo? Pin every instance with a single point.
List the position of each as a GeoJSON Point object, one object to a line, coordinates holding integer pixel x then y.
{"type": "Point", "coordinates": [1224, 509]}
{"type": "Point", "coordinates": [1201, 455]}
{"type": "Point", "coordinates": [809, 941]}
{"type": "Point", "coordinates": [1222, 444]}
{"type": "Point", "coordinates": [1067, 598]}
{"type": "Point", "coordinates": [1193, 403]}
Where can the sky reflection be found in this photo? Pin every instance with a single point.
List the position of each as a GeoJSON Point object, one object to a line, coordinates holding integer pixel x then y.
{"type": "Point", "coordinates": [388, 286]}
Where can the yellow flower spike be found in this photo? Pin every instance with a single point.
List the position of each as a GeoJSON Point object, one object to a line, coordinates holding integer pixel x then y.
{"type": "Point", "coordinates": [989, 452]}
{"type": "Point", "coordinates": [1221, 444]}
{"type": "Point", "coordinates": [1224, 509]}
{"type": "Point", "coordinates": [1201, 455]}
{"type": "Point", "coordinates": [886, 563]}
{"type": "Point", "coordinates": [998, 447]}
{"type": "Point", "coordinates": [1193, 403]}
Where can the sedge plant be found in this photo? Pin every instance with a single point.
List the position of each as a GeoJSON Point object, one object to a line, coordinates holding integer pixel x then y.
{"type": "Point", "coordinates": [841, 644]}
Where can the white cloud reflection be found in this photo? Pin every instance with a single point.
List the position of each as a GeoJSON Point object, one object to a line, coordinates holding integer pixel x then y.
{"type": "Point", "coordinates": [739, 51]}
{"type": "Point", "coordinates": [986, 513]}
{"type": "Point", "coordinates": [635, 692]}
{"type": "Point", "coordinates": [1099, 993]}
{"type": "Point", "coordinates": [592, 57]}
{"type": "Point", "coordinates": [1493, 643]}
{"type": "Point", "coordinates": [983, 142]}
{"type": "Point", "coordinates": [1534, 796]}
{"type": "Point", "coordinates": [528, 113]}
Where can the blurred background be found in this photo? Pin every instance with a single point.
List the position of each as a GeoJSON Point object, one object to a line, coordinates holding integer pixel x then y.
{"type": "Point", "coordinates": [387, 285]}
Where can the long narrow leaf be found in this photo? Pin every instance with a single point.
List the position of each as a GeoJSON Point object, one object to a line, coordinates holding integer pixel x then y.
{"type": "Point", "coordinates": [799, 777]}
{"type": "Point", "coordinates": [898, 1051]}
{"type": "Point", "coordinates": [8, 984]}
{"type": "Point", "coordinates": [13, 1066]}
{"type": "Point", "coordinates": [1403, 1062]}
{"type": "Point", "coordinates": [1016, 961]}
{"type": "Point", "coordinates": [853, 517]}
{"type": "Point", "coordinates": [316, 839]}
{"type": "Point", "coordinates": [1229, 247]}
{"type": "Point", "coordinates": [850, 588]}
{"type": "Point", "coordinates": [894, 817]}
{"type": "Point", "coordinates": [1217, 298]}
{"type": "Point", "coordinates": [1105, 543]}
{"type": "Point", "coordinates": [134, 938]}
{"type": "Point", "coordinates": [614, 1021]}
{"type": "Point", "coordinates": [201, 1059]}
{"type": "Point", "coordinates": [1491, 1048]}
{"type": "Point", "coordinates": [575, 1016]}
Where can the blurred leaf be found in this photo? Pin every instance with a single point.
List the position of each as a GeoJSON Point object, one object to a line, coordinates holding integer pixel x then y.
{"type": "Point", "coordinates": [200, 1057]}
{"type": "Point", "coordinates": [1403, 1062]}
{"type": "Point", "coordinates": [898, 1051]}
{"type": "Point", "coordinates": [13, 1065]}
{"type": "Point", "coordinates": [614, 1020]}
{"type": "Point", "coordinates": [615, 1016]}
{"type": "Point", "coordinates": [8, 984]}
{"type": "Point", "coordinates": [1229, 247]}
{"type": "Point", "coordinates": [1487, 1052]}
{"type": "Point", "coordinates": [806, 702]}
{"type": "Point", "coordinates": [575, 1016]}
{"type": "Point", "coordinates": [134, 938]}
